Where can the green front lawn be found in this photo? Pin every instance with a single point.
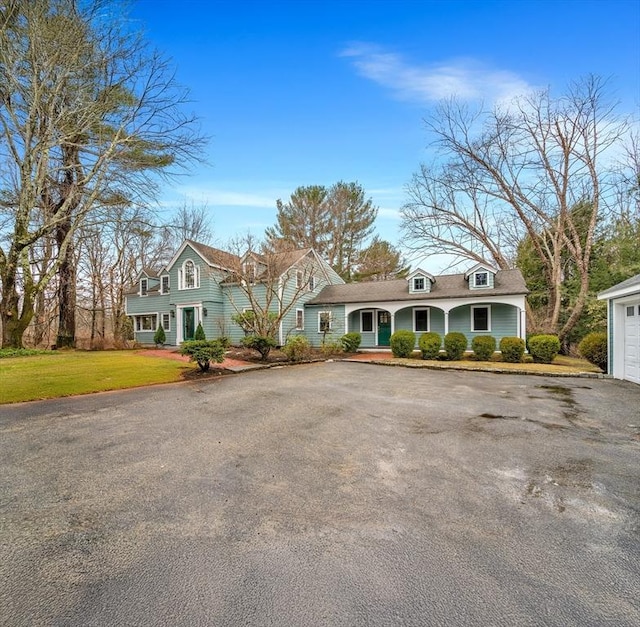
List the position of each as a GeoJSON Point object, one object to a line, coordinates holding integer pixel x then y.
{"type": "Point", "coordinates": [65, 373]}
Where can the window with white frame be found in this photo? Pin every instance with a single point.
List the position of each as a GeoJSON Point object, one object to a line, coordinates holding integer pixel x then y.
{"type": "Point", "coordinates": [189, 276]}
{"type": "Point", "coordinates": [146, 322]}
{"type": "Point", "coordinates": [366, 321]}
{"type": "Point", "coordinates": [418, 284]}
{"type": "Point", "coordinates": [300, 319]}
{"type": "Point", "coordinates": [166, 322]}
{"type": "Point", "coordinates": [324, 321]}
{"type": "Point", "coordinates": [299, 279]}
{"type": "Point", "coordinates": [164, 284]}
{"type": "Point", "coordinates": [481, 279]}
{"type": "Point", "coordinates": [481, 318]}
{"type": "Point", "coordinates": [421, 320]}
{"type": "Point", "coordinates": [144, 286]}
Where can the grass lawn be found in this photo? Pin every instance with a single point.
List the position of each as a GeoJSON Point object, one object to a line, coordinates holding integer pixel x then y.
{"type": "Point", "coordinates": [65, 373]}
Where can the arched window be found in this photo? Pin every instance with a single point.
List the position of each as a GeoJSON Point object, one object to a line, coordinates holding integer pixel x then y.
{"type": "Point", "coordinates": [189, 275]}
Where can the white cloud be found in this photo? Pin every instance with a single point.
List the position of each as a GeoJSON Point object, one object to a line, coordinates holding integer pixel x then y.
{"type": "Point", "coordinates": [465, 79]}
{"type": "Point", "coordinates": [219, 197]}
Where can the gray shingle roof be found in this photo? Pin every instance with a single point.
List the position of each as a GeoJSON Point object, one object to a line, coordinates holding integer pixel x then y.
{"type": "Point", "coordinates": [215, 256]}
{"type": "Point", "coordinates": [634, 280]}
{"type": "Point", "coordinates": [507, 282]}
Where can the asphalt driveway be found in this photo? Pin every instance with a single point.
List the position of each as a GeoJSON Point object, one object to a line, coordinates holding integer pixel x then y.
{"type": "Point", "coordinates": [325, 494]}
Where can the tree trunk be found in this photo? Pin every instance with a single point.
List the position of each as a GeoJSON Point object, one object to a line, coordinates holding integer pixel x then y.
{"type": "Point", "coordinates": [66, 291]}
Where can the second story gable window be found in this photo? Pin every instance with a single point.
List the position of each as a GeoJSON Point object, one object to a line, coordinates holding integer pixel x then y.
{"type": "Point", "coordinates": [144, 286]}
{"type": "Point", "coordinates": [189, 277]}
{"type": "Point", "coordinates": [312, 283]}
{"type": "Point", "coordinates": [165, 284]}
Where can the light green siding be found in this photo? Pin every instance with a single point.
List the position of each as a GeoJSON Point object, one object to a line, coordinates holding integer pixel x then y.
{"type": "Point", "coordinates": [504, 321]}
{"type": "Point", "coordinates": [311, 331]}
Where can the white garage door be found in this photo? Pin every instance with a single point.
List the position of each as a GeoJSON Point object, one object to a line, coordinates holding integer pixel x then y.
{"type": "Point", "coordinates": [632, 343]}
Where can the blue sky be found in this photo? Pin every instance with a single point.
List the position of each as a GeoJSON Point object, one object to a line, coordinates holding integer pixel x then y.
{"type": "Point", "coordinates": [310, 92]}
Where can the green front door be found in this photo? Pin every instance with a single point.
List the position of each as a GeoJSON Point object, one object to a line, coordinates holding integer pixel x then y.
{"type": "Point", "coordinates": [384, 328]}
{"type": "Point", "coordinates": [189, 323]}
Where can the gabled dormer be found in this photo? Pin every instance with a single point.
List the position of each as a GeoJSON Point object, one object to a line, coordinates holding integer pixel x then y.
{"type": "Point", "coordinates": [147, 281]}
{"type": "Point", "coordinates": [481, 276]}
{"type": "Point", "coordinates": [420, 282]}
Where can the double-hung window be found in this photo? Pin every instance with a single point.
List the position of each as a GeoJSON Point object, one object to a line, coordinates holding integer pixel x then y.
{"type": "Point", "coordinates": [366, 321]}
{"type": "Point", "coordinates": [300, 319]}
{"type": "Point", "coordinates": [324, 322]}
{"type": "Point", "coordinates": [481, 318]}
{"type": "Point", "coordinates": [144, 286]}
{"type": "Point", "coordinates": [421, 320]}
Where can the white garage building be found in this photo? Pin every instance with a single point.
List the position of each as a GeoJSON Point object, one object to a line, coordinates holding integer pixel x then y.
{"type": "Point", "coordinates": [623, 320]}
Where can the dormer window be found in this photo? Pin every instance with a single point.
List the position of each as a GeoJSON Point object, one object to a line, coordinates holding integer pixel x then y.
{"type": "Point", "coordinates": [144, 286]}
{"type": "Point", "coordinates": [481, 276]}
{"type": "Point", "coordinates": [481, 279]}
{"type": "Point", "coordinates": [420, 282]}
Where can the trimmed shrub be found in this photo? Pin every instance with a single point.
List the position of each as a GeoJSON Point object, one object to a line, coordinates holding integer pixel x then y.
{"type": "Point", "coordinates": [159, 337]}
{"type": "Point", "coordinates": [225, 340]}
{"type": "Point", "coordinates": [199, 336]}
{"type": "Point", "coordinates": [260, 343]}
{"type": "Point", "coordinates": [593, 348]}
{"type": "Point", "coordinates": [297, 348]}
{"type": "Point", "coordinates": [351, 342]}
{"type": "Point", "coordinates": [203, 352]}
{"type": "Point", "coordinates": [512, 349]}
{"type": "Point", "coordinates": [455, 344]}
{"type": "Point", "coordinates": [402, 343]}
{"type": "Point", "coordinates": [483, 346]}
{"type": "Point", "coordinates": [429, 344]}
{"type": "Point", "coordinates": [331, 347]}
{"type": "Point", "coordinates": [544, 348]}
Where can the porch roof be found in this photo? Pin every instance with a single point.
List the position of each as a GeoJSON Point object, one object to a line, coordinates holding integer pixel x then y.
{"type": "Point", "coordinates": [507, 282]}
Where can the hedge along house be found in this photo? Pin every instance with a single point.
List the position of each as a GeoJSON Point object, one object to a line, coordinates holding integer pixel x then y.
{"type": "Point", "coordinates": [482, 301]}
{"type": "Point", "coordinates": [204, 285]}
{"type": "Point", "coordinates": [209, 286]}
{"type": "Point", "coordinates": [623, 326]}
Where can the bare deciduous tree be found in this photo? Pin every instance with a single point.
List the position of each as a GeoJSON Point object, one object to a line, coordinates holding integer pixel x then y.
{"type": "Point", "coordinates": [89, 117]}
{"type": "Point", "coordinates": [518, 172]}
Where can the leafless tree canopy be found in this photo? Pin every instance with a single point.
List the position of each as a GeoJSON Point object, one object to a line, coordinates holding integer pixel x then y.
{"type": "Point", "coordinates": [516, 172]}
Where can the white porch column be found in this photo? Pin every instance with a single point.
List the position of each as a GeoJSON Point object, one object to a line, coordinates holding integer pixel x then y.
{"type": "Point", "coordinates": [346, 320]}
{"type": "Point", "coordinates": [523, 324]}
{"type": "Point", "coordinates": [393, 322]}
{"type": "Point", "coordinates": [446, 322]}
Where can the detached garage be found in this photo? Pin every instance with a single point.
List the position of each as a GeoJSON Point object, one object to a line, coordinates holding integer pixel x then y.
{"type": "Point", "coordinates": [623, 319]}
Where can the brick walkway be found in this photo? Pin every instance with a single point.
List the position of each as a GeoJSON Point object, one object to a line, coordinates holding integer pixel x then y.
{"type": "Point", "coordinates": [227, 364]}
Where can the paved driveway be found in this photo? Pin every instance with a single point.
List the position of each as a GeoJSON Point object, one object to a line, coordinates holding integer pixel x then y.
{"type": "Point", "coordinates": [325, 494]}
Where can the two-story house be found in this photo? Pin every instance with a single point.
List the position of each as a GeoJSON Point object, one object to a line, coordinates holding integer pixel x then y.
{"type": "Point", "coordinates": [206, 285]}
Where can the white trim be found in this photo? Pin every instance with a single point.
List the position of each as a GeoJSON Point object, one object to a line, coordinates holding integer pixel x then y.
{"type": "Point", "coordinates": [182, 275]}
{"type": "Point", "coordinates": [480, 266]}
{"type": "Point", "coordinates": [330, 314]}
{"type": "Point", "coordinates": [472, 321]}
{"type": "Point", "coordinates": [373, 320]}
{"type": "Point", "coordinates": [413, 316]}
{"type": "Point", "coordinates": [162, 315]}
{"type": "Point", "coordinates": [197, 306]}
{"type": "Point", "coordinates": [484, 273]}
{"type": "Point", "coordinates": [141, 315]}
